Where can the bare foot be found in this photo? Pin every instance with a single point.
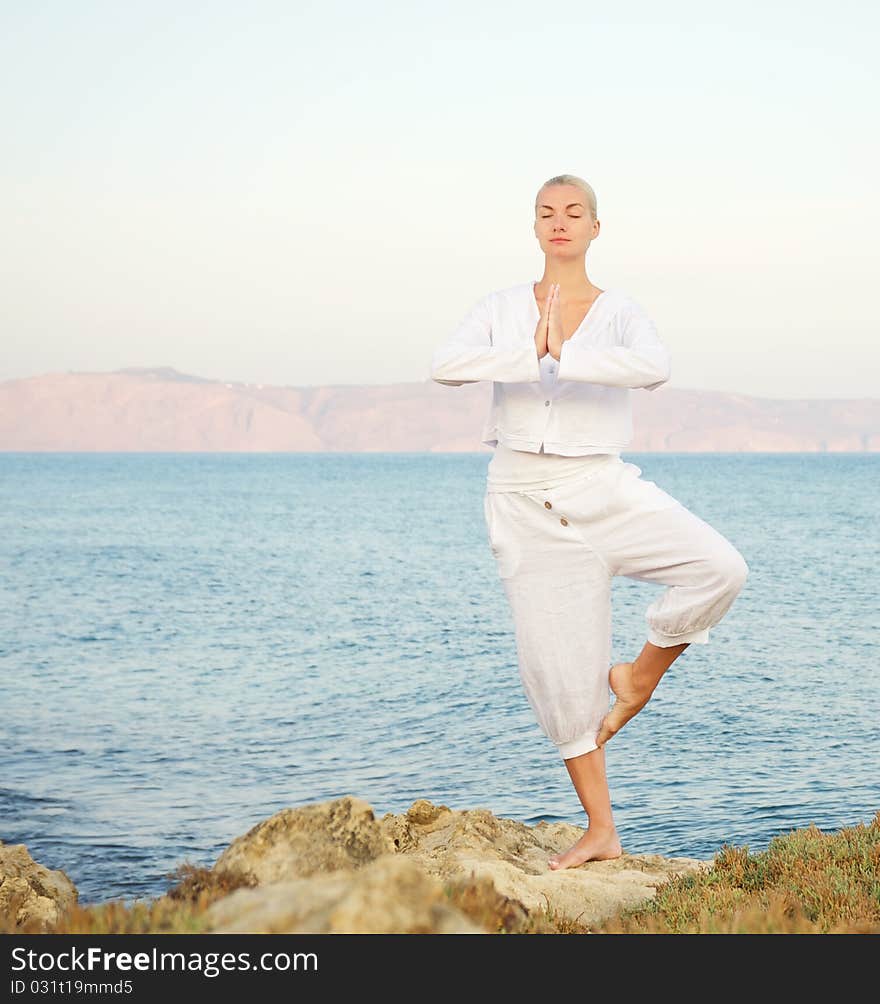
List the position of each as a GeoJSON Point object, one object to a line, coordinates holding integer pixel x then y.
{"type": "Point", "coordinates": [598, 845]}
{"type": "Point", "coordinates": [629, 702]}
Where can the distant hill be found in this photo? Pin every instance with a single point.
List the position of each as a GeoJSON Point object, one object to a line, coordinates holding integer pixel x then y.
{"type": "Point", "coordinates": [162, 409]}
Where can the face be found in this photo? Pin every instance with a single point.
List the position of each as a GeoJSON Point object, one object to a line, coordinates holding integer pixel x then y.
{"type": "Point", "coordinates": [563, 223]}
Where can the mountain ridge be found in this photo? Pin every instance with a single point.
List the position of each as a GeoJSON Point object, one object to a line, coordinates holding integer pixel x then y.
{"type": "Point", "coordinates": [160, 408]}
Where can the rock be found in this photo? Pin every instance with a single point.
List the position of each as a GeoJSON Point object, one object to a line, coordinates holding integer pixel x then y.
{"type": "Point", "coordinates": [474, 842]}
{"type": "Point", "coordinates": [322, 837]}
{"type": "Point", "coordinates": [389, 895]}
{"type": "Point", "coordinates": [30, 893]}
{"type": "Point", "coordinates": [327, 865]}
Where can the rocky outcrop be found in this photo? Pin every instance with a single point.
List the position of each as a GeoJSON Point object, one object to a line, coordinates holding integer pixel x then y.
{"type": "Point", "coordinates": [476, 843]}
{"type": "Point", "coordinates": [334, 868]}
{"type": "Point", "coordinates": [390, 895]}
{"type": "Point", "coordinates": [313, 839]}
{"type": "Point", "coordinates": [390, 874]}
{"type": "Point", "coordinates": [30, 893]}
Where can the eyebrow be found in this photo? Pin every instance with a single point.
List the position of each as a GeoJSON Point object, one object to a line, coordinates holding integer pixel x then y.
{"type": "Point", "coordinates": [567, 207]}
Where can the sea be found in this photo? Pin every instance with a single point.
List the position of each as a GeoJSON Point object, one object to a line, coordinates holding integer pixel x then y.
{"type": "Point", "coordinates": [192, 642]}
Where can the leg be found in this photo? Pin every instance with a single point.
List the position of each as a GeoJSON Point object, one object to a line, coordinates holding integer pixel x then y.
{"type": "Point", "coordinates": [562, 617]}
{"type": "Point", "coordinates": [656, 539]}
{"type": "Point", "coordinates": [600, 842]}
{"type": "Point", "coordinates": [559, 593]}
{"type": "Point", "coordinates": [633, 683]}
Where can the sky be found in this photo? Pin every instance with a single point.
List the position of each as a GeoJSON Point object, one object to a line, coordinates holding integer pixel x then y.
{"type": "Point", "coordinates": [309, 194]}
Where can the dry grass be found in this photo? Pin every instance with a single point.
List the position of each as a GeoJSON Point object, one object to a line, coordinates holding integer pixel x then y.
{"type": "Point", "coordinates": [806, 882]}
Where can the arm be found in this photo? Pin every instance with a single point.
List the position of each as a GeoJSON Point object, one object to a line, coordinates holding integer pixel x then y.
{"type": "Point", "coordinates": [642, 361]}
{"type": "Point", "coordinates": [469, 356]}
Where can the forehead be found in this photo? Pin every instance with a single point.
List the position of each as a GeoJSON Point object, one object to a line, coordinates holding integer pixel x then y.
{"type": "Point", "coordinates": [562, 196]}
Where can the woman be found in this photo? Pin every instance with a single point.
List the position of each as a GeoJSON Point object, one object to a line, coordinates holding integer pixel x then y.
{"type": "Point", "coordinates": [565, 513]}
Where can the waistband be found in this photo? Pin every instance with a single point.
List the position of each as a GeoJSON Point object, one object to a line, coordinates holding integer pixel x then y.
{"type": "Point", "coordinates": [519, 471]}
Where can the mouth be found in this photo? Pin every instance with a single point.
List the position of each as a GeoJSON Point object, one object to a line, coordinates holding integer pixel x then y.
{"type": "Point", "coordinates": [559, 240]}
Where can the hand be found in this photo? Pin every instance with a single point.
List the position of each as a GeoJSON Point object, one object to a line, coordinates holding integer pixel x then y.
{"type": "Point", "coordinates": [555, 336]}
{"type": "Point", "coordinates": [542, 328]}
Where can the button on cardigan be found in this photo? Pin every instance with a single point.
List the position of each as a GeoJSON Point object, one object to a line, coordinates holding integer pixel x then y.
{"type": "Point", "coordinates": [576, 406]}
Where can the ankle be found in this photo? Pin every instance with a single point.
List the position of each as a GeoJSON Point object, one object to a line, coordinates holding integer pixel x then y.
{"type": "Point", "coordinates": [602, 828]}
{"type": "Point", "coordinates": [643, 688]}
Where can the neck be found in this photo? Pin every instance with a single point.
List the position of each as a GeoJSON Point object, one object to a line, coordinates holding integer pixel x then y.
{"type": "Point", "coordinates": [571, 276]}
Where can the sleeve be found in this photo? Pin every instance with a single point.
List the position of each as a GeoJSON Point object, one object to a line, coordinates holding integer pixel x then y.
{"type": "Point", "coordinates": [469, 356]}
{"type": "Point", "coordinates": [642, 361]}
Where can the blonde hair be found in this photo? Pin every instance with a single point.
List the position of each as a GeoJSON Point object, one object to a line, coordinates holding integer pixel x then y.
{"type": "Point", "coordinates": [571, 179]}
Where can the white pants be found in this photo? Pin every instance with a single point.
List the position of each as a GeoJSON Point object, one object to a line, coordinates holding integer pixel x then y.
{"type": "Point", "coordinates": [557, 550]}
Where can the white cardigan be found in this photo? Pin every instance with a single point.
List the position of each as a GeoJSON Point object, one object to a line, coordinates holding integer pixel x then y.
{"type": "Point", "coordinates": [585, 406]}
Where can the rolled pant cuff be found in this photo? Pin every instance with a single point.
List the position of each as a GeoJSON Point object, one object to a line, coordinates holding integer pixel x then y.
{"type": "Point", "coordinates": [586, 744]}
{"type": "Point", "coordinates": [668, 640]}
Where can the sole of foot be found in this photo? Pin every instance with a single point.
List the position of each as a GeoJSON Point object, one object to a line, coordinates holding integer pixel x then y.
{"type": "Point", "coordinates": [628, 703]}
